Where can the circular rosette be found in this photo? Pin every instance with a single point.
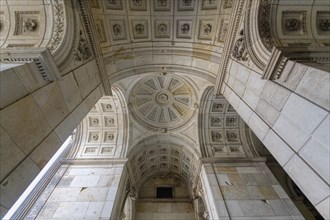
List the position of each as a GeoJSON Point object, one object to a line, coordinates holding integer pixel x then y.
{"type": "Point", "coordinates": [162, 101]}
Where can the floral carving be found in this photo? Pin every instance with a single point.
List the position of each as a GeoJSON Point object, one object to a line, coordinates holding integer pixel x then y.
{"type": "Point", "coordinates": [139, 29]}
{"type": "Point", "coordinates": [325, 24]}
{"type": "Point", "coordinates": [293, 24]}
{"type": "Point", "coordinates": [264, 24]}
{"type": "Point", "coordinates": [58, 31]}
{"type": "Point", "coordinates": [239, 51]}
{"type": "Point", "coordinates": [185, 28]}
{"type": "Point", "coordinates": [30, 24]}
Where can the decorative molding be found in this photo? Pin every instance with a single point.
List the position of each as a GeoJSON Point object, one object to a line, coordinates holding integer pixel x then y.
{"type": "Point", "coordinates": [26, 23]}
{"type": "Point", "coordinates": [223, 30]}
{"type": "Point", "coordinates": [209, 4]}
{"type": "Point", "coordinates": [95, 44]}
{"type": "Point", "coordinates": [264, 26]}
{"type": "Point", "coordinates": [255, 35]}
{"type": "Point", "coordinates": [140, 29]}
{"type": "Point", "coordinates": [184, 29]}
{"type": "Point", "coordinates": [206, 29]}
{"type": "Point", "coordinates": [186, 5]}
{"type": "Point", "coordinates": [227, 4]}
{"type": "Point", "coordinates": [162, 102]}
{"type": "Point", "coordinates": [114, 4]}
{"type": "Point", "coordinates": [162, 28]}
{"type": "Point", "coordinates": [59, 25]}
{"type": "Point", "coordinates": [294, 22]}
{"type": "Point", "coordinates": [138, 5]}
{"type": "Point", "coordinates": [162, 5]}
{"type": "Point", "coordinates": [234, 23]}
{"type": "Point", "coordinates": [40, 56]}
{"type": "Point", "coordinates": [239, 51]}
{"type": "Point", "coordinates": [83, 51]}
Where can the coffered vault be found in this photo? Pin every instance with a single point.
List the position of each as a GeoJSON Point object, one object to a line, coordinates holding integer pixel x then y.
{"type": "Point", "coordinates": [200, 90]}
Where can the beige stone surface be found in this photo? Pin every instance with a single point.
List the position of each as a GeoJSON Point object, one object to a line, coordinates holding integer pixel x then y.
{"type": "Point", "coordinates": [44, 151]}
{"type": "Point", "coordinates": [70, 91]}
{"type": "Point", "coordinates": [11, 88]}
{"type": "Point", "coordinates": [313, 83]}
{"type": "Point", "coordinates": [18, 180]}
{"type": "Point", "coordinates": [30, 77]}
{"type": "Point", "coordinates": [10, 157]}
{"type": "Point", "coordinates": [307, 180]}
{"type": "Point", "coordinates": [25, 123]}
{"type": "Point", "coordinates": [51, 102]}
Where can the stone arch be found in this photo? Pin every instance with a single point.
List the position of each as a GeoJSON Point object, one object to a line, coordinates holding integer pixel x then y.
{"type": "Point", "coordinates": [276, 32]}
{"type": "Point", "coordinates": [27, 27]}
{"type": "Point", "coordinates": [163, 154]}
{"type": "Point", "coordinates": [223, 133]}
{"type": "Point", "coordinates": [103, 133]}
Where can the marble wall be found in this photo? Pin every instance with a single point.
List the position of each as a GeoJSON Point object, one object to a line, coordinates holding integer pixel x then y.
{"type": "Point", "coordinates": [290, 115]}
{"type": "Point", "coordinates": [84, 192]}
{"type": "Point", "coordinates": [245, 191]}
{"type": "Point", "coordinates": [36, 118]}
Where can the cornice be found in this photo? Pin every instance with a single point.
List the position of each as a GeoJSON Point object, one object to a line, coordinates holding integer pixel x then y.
{"type": "Point", "coordinates": [86, 15]}
{"type": "Point", "coordinates": [229, 42]}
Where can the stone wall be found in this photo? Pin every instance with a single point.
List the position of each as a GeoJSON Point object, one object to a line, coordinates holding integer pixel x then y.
{"type": "Point", "coordinates": [84, 192]}
{"type": "Point", "coordinates": [36, 118]}
{"type": "Point", "coordinates": [290, 115]}
{"type": "Point", "coordinates": [147, 206]}
{"type": "Point", "coordinates": [245, 191]}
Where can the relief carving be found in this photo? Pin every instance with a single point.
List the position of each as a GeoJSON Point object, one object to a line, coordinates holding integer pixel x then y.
{"type": "Point", "coordinates": [117, 30]}
{"type": "Point", "coordinates": [58, 31]}
{"type": "Point", "coordinates": [239, 51]}
{"type": "Point", "coordinates": [207, 29]}
{"type": "Point", "coordinates": [325, 24]}
{"type": "Point", "coordinates": [162, 29]}
{"type": "Point", "coordinates": [26, 22]}
{"type": "Point", "coordinates": [185, 28]}
{"type": "Point", "coordinates": [83, 51]}
{"type": "Point", "coordinates": [264, 24]}
{"type": "Point", "coordinates": [30, 24]}
{"type": "Point", "coordinates": [139, 29]}
{"type": "Point", "coordinates": [228, 4]}
{"type": "Point", "coordinates": [293, 24]}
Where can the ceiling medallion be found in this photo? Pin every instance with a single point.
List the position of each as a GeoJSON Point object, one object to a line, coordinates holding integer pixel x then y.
{"type": "Point", "coordinates": [163, 101]}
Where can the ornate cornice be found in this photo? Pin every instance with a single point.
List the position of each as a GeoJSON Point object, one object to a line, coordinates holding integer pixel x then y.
{"type": "Point", "coordinates": [230, 39]}
{"type": "Point", "coordinates": [88, 22]}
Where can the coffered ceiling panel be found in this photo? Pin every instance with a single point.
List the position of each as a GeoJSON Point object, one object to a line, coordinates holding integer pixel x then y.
{"type": "Point", "coordinates": [186, 20]}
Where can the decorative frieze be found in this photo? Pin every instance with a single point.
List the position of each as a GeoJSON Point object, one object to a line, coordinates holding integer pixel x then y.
{"type": "Point", "coordinates": [59, 25]}
{"type": "Point", "coordinates": [264, 24]}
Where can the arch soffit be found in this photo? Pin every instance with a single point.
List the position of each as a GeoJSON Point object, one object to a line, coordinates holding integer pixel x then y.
{"type": "Point", "coordinates": [103, 132]}
{"type": "Point", "coordinates": [223, 133]}
{"type": "Point", "coordinates": [161, 154]}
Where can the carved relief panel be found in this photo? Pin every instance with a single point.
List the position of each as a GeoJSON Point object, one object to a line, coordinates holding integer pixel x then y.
{"type": "Point", "coordinates": [27, 23]}
{"type": "Point", "coordinates": [294, 22]}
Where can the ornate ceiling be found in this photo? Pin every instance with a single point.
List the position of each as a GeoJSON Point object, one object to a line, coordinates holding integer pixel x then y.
{"type": "Point", "coordinates": [163, 101]}
{"type": "Point", "coordinates": [120, 22]}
